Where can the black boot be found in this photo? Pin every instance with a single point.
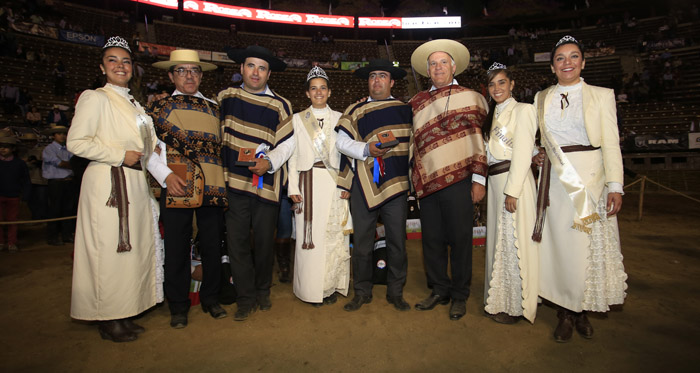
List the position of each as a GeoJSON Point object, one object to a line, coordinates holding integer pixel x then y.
{"type": "Point", "coordinates": [566, 325]}
{"type": "Point", "coordinates": [283, 251]}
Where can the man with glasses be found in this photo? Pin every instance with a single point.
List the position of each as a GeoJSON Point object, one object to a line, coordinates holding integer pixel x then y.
{"type": "Point", "coordinates": [187, 123]}
{"type": "Point", "coordinates": [379, 183]}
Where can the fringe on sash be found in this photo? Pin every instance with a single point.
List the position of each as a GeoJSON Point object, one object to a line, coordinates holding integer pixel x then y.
{"type": "Point", "coordinates": [119, 199]}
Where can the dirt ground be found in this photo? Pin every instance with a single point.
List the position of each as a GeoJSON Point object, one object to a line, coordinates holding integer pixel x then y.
{"type": "Point", "coordinates": [657, 329]}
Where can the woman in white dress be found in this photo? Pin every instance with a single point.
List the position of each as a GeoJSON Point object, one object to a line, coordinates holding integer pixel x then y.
{"type": "Point", "coordinates": [114, 269]}
{"type": "Point", "coordinates": [579, 195]}
{"type": "Point", "coordinates": [323, 222]}
{"type": "Point", "coordinates": [511, 285]}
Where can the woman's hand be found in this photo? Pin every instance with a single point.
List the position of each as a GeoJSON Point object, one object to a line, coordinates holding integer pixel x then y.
{"type": "Point", "coordinates": [614, 203]}
{"type": "Point", "coordinates": [296, 198]}
{"type": "Point", "coordinates": [132, 157]}
{"type": "Point", "coordinates": [511, 203]}
{"type": "Point", "coordinates": [345, 194]}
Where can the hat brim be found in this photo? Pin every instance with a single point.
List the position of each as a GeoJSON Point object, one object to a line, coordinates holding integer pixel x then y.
{"type": "Point", "coordinates": [239, 55]}
{"type": "Point", "coordinates": [396, 73]}
{"type": "Point", "coordinates": [52, 131]}
{"type": "Point", "coordinates": [457, 50]}
{"type": "Point", "coordinates": [166, 65]}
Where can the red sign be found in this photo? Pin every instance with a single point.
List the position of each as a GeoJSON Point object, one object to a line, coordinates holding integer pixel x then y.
{"type": "Point", "coordinates": [205, 7]}
{"type": "Point", "coordinates": [378, 22]}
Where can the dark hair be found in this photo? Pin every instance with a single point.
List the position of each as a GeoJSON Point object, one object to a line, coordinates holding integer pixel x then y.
{"type": "Point", "coordinates": [576, 43]}
{"type": "Point", "coordinates": [102, 53]}
{"type": "Point", "coordinates": [488, 122]}
{"type": "Point", "coordinates": [307, 85]}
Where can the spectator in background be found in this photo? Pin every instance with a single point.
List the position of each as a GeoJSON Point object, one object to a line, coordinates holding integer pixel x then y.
{"type": "Point", "coordinates": [56, 117]}
{"type": "Point", "coordinates": [10, 96]}
{"type": "Point", "coordinates": [14, 185]}
{"type": "Point", "coordinates": [33, 117]}
{"type": "Point", "coordinates": [59, 79]}
{"type": "Point", "coordinates": [57, 170]}
{"type": "Point", "coordinates": [31, 154]}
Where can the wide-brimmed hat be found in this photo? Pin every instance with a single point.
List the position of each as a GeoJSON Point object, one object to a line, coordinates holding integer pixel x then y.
{"type": "Point", "coordinates": [8, 140]}
{"type": "Point", "coordinates": [239, 55]}
{"type": "Point", "coordinates": [184, 56]}
{"type": "Point", "coordinates": [29, 136]}
{"type": "Point", "coordinates": [457, 50]}
{"type": "Point", "coordinates": [56, 129]}
{"type": "Point", "coordinates": [380, 64]}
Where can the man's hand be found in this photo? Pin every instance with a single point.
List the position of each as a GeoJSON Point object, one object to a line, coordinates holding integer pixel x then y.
{"type": "Point", "coordinates": [132, 157]}
{"type": "Point", "coordinates": [64, 164]}
{"type": "Point", "coordinates": [262, 165]}
{"type": "Point", "coordinates": [511, 204]}
{"type": "Point", "coordinates": [614, 203]}
{"type": "Point", "coordinates": [176, 186]}
{"type": "Point", "coordinates": [345, 194]}
{"type": "Point", "coordinates": [296, 198]}
{"type": "Point", "coordinates": [374, 151]}
{"type": "Point", "coordinates": [478, 192]}
{"type": "Point", "coordinates": [538, 159]}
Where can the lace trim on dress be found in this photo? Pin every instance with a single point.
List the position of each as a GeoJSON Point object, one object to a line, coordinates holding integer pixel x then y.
{"type": "Point", "coordinates": [605, 275]}
{"type": "Point", "coordinates": [505, 293]}
{"type": "Point", "coordinates": [159, 252]}
{"type": "Point", "coordinates": [337, 276]}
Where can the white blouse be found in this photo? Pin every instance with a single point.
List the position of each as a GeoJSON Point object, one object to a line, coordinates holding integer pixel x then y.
{"type": "Point", "coordinates": [565, 119]}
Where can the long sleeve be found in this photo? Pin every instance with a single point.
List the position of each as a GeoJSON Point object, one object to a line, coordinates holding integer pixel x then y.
{"type": "Point", "coordinates": [610, 142]}
{"type": "Point", "coordinates": [158, 165]}
{"type": "Point", "coordinates": [523, 144]}
{"type": "Point", "coordinates": [281, 153]}
{"type": "Point", "coordinates": [351, 148]}
{"type": "Point", "coordinates": [81, 137]}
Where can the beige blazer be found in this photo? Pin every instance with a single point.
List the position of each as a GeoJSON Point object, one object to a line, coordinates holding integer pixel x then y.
{"type": "Point", "coordinates": [520, 120]}
{"type": "Point", "coordinates": [600, 118]}
{"type": "Point", "coordinates": [303, 157]}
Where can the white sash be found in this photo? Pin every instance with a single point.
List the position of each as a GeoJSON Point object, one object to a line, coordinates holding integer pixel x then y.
{"type": "Point", "coordinates": [319, 139]}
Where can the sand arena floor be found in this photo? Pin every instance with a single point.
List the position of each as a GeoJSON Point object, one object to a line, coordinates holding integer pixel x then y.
{"type": "Point", "coordinates": [657, 329]}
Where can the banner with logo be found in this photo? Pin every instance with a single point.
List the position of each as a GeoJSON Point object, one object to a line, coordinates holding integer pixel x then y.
{"type": "Point", "coordinates": [659, 141]}
{"type": "Point", "coordinates": [156, 49]}
{"type": "Point", "coordinates": [694, 140]}
{"type": "Point", "coordinates": [82, 38]}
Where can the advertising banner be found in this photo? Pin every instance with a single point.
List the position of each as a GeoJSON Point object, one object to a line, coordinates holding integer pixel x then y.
{"type": "Point", "coordinates": [352, 65]}
{"type": "Point", "coordinates": [659, 141]}
{"type": "Point", "coordinates": [694, 140]}
{"type": "Point", "coordinates": [82, 38]}
{"type": "Point", "coordinates": [156, 49]}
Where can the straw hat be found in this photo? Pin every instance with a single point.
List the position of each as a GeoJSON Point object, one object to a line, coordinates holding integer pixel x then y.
{"type": "Point", "coordinates": [8, 140]}
{"type": "Point", "coordinates": [456, 50]}
{"type": "Point", "coordinates": [184, 56]}
{"type": "Point", "coordinates": [56, 129]}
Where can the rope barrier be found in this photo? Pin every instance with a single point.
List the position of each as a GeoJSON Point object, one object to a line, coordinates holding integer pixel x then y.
{"type": "Point", "coordinates": [37, 221]}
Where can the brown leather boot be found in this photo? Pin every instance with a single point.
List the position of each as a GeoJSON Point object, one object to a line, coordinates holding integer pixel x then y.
{"type": "Point", "coordinates": [583, 326]}
{"type": "Point", "coordinates": [565, 329]}
{"type": "Point", "coordinates": [283, 252]}
{"type": "Point", "coordinates": [115, 331]}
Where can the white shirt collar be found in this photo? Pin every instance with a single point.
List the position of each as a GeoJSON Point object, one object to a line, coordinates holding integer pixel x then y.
{"type": "Point", "coordinates": [198, 94]}
{"type": "Point", "coordinates": [454, 82]}
{"type": "Point", "coordinates": [370, 99]}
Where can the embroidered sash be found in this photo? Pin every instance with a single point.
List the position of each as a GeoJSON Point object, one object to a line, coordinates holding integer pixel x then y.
{"type": "Point", "coordinates": [581, 195]}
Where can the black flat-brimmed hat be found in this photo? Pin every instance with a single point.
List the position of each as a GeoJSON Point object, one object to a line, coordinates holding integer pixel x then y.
{"type": "Point", "coordinates": [239, 55]}
{"type": "Point", "coordinates": [380, 64]}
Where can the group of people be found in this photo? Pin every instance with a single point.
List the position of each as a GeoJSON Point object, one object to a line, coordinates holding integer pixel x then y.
{"type": "Point", "coordinates": [228, 161]}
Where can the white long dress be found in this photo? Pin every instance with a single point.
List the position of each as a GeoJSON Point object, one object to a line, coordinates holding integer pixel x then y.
{"type": "Point", "coordinates": [511, 284]}
{"type": "Point", "coordinates": [108, 285]}
{"type": "Point", "coordinates": [325, 269]}
{"type": "Point", "coordinates": [582, 270]}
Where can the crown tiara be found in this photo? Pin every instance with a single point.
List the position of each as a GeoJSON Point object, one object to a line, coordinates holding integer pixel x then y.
{"type": "Point", "coordinates": [566, 39]}
{"type": "Point", "coordinates": [117, 41]}
{"type": "Point", "coordinates": [316, 72]}
{"type": "Point", "coordinates": [497, 66]}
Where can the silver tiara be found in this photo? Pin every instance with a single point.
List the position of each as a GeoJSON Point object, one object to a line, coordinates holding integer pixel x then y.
{"type": "Point", "coordinates": [117, 41]}
{"type": "Point", "coordinates": [497, 66]}
{"type": "Point", "coordinates": [316, 72]}
{"type": "Point", "coordinates": [566, 39]}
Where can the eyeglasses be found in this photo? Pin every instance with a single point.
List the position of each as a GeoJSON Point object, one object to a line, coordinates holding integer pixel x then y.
{"type": "Point", "coordinates": [182, 72]}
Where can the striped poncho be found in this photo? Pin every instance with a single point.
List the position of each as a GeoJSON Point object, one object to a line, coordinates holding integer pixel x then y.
{"type": "Point", "coordinates": [363, 122]}
{"type": "Point", "coordinates": [447, 142]}
{"type": "Point", "coordinates": [249, 120]}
